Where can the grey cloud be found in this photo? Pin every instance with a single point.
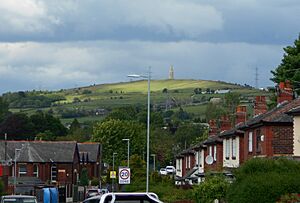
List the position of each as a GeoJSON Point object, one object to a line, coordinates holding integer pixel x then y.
{"type": "Point", "coordinates": [61, 65]}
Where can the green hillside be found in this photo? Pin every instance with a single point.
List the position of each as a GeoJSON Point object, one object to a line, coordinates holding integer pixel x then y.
{"type": "Point", "coordinates": [90, 103]}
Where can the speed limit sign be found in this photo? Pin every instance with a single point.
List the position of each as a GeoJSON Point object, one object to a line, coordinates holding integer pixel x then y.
{"type": "Point", "coordinates": [124, 175]}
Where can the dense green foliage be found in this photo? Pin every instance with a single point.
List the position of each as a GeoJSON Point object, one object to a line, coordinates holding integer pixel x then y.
{"type": "Point", "coordinates": [111, 132]}
{"type": "Point", "coordinates": [84, 179]}
{"type": "Point", "coordinates": [3, 109]}
{"type": "Point", "coordinates": [30, 99]}
{"type": "Point", "coordinates": [214, 187]}
{"type": "Point", "coordinates": [20, 126]}
{"type": "Point", "coordinates": [289, 69]}
{"type": "Point", "coordinates": [264, 180]}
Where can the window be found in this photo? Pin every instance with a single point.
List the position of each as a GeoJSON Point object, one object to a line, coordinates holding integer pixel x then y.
{"type": "Point", "coordinates": [250, 143]}
{"type": "Point", "coordinates": [258, 141]}
{"type": "Point", "coordinates": [36, 170]}
{"type": "Point", "coordinates": [22, 170]}
{"type": "Point", "coordinates": [210, 151]}
{"type": "Point", "coordinates": [189, 161]}
{"type": "Point", "coordinates": [233, 148]}
{"type": "Point", "coordinates": [215, 152]}
{"type": "Point", "coordinates": [200, 159]}
{"type": "Point", "coordinates": [227, 148]}
{"type": "Point", "coordinates": [53, 173]}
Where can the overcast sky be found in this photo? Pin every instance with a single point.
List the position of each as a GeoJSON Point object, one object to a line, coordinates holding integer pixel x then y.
{"type": "Point", "coordinates": [55, 44]}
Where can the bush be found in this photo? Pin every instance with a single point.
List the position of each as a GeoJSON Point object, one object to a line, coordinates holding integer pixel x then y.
{"type": "Point", "coordinates": [1, 187]}
{"type": "Point", "coordinates": [264, 180]}
{"type": "Point", "coordinates": [214, 187]}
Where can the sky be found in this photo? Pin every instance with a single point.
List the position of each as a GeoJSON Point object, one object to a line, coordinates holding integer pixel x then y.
{"type": "Point", "coordinates": [61, 44]}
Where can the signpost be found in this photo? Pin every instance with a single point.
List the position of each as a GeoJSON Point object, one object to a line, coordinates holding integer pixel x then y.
{"type": "Point", "coordinates": [113, 174]}
{"type": "Point", "coordinates": [124, 175]}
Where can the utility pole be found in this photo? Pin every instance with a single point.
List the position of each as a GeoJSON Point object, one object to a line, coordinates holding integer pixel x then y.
{"type": "Point", "coordinates": [256, 78]}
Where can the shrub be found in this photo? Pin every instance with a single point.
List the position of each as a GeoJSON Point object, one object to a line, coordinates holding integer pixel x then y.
{"type": "Point", "coordinates": [214, 187]}
{"type": "Point", "coordinates": [264, 180]}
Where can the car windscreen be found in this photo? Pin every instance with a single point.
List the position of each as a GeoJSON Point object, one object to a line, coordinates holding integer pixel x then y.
{"type": "Point", "coordinates": [130, 199]}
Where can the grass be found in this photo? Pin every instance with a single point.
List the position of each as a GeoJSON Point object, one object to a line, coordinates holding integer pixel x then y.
{"type": "Point", "coordinates": [110, 96]}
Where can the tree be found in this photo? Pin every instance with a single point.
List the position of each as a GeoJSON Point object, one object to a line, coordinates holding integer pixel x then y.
{"type": "Point", "coordinates": [289, 68]}
{"type": "Point", "coordinates": [162, 150]}
{"type": "Point", "coordinates": [110, 133]}
{"type": "Point", "coordinates": [75, 125]}
{"type": "Point", "coordinates": [214, 187]}
{"type": "Point", "coordinates": [3, 109]}
{"type": "Point", "coordinates": [188, 134]}
{"type": "Point", "coordinates": [123, 113]}
{"type": "Point", "coordinates": [18, 127]}
{"type": "Point", "coordinates": [84, 179]}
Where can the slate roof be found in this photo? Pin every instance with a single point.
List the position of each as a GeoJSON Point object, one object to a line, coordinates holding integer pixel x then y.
{"type": "Point", "coordinates": [90, 151]}
{"type": "Point", "coordinates": [233, 131]}
{"type": "Point", "coordinates": [40, 151]}
{"type": "Point", "coordinates": [294, 111]}
{"type": "Point", "coordinates": [276, 115]}
{"type": "Point", "coordinates": [212, 140]}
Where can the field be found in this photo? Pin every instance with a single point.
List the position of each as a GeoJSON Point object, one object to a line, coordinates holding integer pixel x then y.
{"type": "Point", "coordinates": [165, 94]}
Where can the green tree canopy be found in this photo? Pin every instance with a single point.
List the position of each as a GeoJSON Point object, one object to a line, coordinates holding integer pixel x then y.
{"type": "Point", "coordinates": [3, 109]}
{"type": "Point", "coordinates": [111, 132]}
{"type": "Point", "coordinates": [289, 68]}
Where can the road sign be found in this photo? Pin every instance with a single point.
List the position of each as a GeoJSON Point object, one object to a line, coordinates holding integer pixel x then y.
{"type": "Point", "coordinates": [124, 175]}
{"type": "Point", "coordinates": [113, 174]}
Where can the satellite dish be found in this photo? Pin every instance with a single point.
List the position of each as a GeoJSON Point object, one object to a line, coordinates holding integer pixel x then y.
{"type": "Point", "coordinates": [209, 159]}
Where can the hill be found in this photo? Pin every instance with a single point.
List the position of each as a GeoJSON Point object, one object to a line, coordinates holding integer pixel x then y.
{"type": "Point", "coordinates": [93, 102]}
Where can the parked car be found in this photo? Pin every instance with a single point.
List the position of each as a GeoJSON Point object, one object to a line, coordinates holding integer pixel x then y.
{"type": "Point", "coordinates": [131, 197]}
{"type": "Point", "coordinates": [18, 199]}
{"type": "Point", "coordinates": [163, 171]}
{"type": "Point", "coordinates": [170, 169]}
{"type": "Point", "coordinates": [92, 192]}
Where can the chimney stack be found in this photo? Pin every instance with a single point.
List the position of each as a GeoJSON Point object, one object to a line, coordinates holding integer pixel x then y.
{"type": "Point", "coordinates": [213, 128]}
{"type": "Point", "coordinates": [225, 123]}
{"type": "Point", "coordinates": [241, 114]}
{"type": "Point", "coordinates": [284, 92]}
{"type": "Point", "coordinates": [260, 105]}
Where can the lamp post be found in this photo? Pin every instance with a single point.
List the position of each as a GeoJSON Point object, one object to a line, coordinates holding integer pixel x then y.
{"type": "Point", "coordinates": [153, 161]}
{"type": "Point", "coordinates": [112, 187]}
{"type": "Point", "coordinates": [148, 122]}
{"type": "Point", "coordinates": [15, 171]}
{"type": "Point", "coordinates": [128, 145]}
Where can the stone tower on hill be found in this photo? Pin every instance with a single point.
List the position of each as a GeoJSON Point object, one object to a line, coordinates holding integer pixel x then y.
{"type": "Point", "coordinates": [171, 73]}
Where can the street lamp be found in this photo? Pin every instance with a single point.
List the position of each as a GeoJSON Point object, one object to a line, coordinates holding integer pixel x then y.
{"type": "Point", "coordinates": [148, 122]}
{"type": "Point", "coordinates": [128, 144]}
{"type": "Point", "coordinates": [153, 161]}
{"type": "Point", "coordinates": [112, 187]}
{"type": "Point", "coordinates": [15, 178]}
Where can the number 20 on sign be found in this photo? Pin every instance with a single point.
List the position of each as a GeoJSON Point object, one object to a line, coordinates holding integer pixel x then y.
{"type": "Point", "coordinates": [124, 175]}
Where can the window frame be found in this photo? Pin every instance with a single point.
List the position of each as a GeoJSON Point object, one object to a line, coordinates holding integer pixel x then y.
{"type": "Point", "coordinates": [233, 148]}
{"type": "Point", "coordinates": [22, 173]}
{"type": "Point", "coordinates": [250, 141]}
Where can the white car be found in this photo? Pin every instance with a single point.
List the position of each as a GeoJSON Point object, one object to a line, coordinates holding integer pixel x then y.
{"type": "Point", "coordinates": [123, 197]}
{"type": "Point", "coordinates": [163, 171]}
{"type": "Point", "coordinates": [170, 169]}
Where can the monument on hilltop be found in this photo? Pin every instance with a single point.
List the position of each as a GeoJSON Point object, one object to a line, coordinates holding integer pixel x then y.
{"type": "Point", "coordinates": [171, 73]}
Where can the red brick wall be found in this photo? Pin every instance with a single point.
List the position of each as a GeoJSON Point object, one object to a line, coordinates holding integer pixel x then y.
{"type": "Point", "coordinates": [283, 139]}
{"type": "Point", "coordinates": [216, 165]}
{"type": "Point", "coordinates": [242, 149]}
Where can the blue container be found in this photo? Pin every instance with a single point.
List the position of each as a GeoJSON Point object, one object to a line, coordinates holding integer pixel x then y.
{"type": "Point", "coordinates": [54, 195]}
{"type": "Point", "coordinates": [46, 195]}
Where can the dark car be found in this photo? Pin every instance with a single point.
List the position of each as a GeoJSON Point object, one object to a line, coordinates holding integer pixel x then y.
{"type": "Point", "coordinates": [18, 199]}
